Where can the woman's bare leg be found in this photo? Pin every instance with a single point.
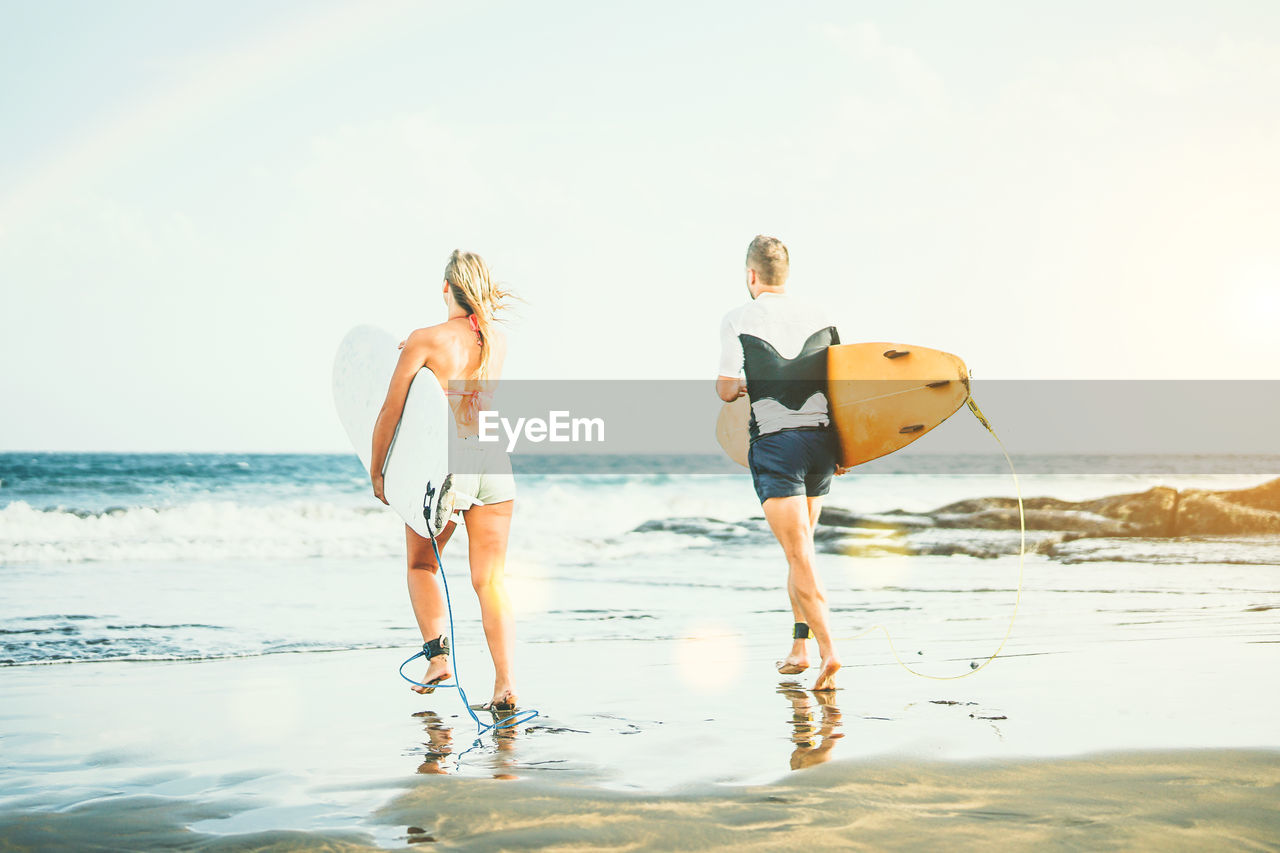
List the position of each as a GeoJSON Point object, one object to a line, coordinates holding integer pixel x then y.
{"type": "Point", "coordinates": [426, 597]}
{"type": "Point", "coordinates": [487, 530]}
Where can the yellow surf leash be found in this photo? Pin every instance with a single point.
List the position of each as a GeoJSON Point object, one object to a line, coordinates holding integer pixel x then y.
{"type": "Point", "coordinates": [1022, 552]}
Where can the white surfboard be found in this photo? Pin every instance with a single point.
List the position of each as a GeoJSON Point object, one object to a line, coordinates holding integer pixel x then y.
{"type": "Point", "coordinates": [417, 465]}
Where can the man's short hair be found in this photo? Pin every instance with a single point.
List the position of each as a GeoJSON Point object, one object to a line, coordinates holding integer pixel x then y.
{"type": "Point", "coordinates": [769, 258]}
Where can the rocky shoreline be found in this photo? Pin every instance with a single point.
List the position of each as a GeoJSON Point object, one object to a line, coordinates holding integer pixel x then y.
{"type": "Point", "coordinates": [1161, 525]}
{"type": "Point", "coordinates": [1160, 512]}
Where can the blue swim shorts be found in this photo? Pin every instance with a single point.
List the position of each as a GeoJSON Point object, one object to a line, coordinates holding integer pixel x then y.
{"type": "Point", "coordinates": [793, 462]}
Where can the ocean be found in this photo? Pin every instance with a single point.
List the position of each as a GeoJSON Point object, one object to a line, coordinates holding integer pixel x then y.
{"type": "Point", "coordinates": [202, 556]}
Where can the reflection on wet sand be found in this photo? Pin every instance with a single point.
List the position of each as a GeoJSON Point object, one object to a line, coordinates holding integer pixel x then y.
{"type": "Point", "coordinates": [439, 743]}
{"type": "Point", "coordinates": [439, 748]}
{"type": "Point", "coordinates": [814, 740]}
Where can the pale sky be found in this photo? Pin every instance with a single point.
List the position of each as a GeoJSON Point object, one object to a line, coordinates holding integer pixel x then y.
{"type": "Point", "coordinates": [197, 200]}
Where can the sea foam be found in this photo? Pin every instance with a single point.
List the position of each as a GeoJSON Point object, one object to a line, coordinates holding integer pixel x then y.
{"type": "Point", "coordinates": [211, 530]}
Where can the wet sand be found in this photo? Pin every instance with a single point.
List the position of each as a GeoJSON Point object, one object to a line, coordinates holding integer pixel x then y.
{"type": "Point", "coordinates": [1184, 800]}
{"type": "Point", "coordinates": [1145, 800]}
{"type": "Point", "coordinates": [1094, 737]}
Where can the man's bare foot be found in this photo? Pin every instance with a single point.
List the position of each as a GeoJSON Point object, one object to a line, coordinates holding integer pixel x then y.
{"type": "Point", "coordinates": [797, 661]}
{"type": "Point", "coordinates": [827, 677]}
{"type": "Point", "coordinates": [437, 671]}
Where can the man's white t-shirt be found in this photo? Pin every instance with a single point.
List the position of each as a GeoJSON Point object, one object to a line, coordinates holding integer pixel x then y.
{"type": "Point", "coordinates": [785, 324]}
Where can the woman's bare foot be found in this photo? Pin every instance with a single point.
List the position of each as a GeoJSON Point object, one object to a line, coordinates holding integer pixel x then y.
{"type": "Point", "coordinates": [797, 661]}
{"type": "Point", "coordinates": [504, 695]}
{"type": "Point", "coordinates": [827, 677]}
{"type": "Point", "coordinates": [437, 671]}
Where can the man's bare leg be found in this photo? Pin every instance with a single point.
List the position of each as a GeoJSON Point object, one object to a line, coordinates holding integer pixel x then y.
{"type": "Point", "coordinates": [789, 519]}
{"type": "Point", "coordinates": [427, 599]}
{"type": "Point", "coordinates": [797, 660]}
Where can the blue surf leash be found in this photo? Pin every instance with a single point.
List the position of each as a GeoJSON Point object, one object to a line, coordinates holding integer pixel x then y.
{"type": "Point", "coordinates": [482, 728]}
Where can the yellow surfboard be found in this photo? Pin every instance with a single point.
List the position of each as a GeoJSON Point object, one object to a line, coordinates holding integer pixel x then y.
{"type": "Point", "coordinates": [883, 396]}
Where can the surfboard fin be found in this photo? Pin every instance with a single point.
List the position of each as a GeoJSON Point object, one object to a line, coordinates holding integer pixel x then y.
{"type": "Point", "coordinates": [437, 505]}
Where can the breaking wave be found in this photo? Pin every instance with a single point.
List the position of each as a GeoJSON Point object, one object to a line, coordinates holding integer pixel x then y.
{"type": "Point", "coordinates": [203, 530]}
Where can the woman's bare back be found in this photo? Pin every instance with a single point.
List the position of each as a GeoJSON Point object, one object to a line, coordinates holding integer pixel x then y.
{"type": "Point", "coordinates": [452, 351]}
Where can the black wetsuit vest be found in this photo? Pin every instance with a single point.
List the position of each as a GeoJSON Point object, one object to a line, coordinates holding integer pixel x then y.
{"type": "Point", "coordinates": [789, 381]}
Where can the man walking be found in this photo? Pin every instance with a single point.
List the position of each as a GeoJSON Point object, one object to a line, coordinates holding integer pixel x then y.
{"type": "Point", "coordinates": [773, 349]}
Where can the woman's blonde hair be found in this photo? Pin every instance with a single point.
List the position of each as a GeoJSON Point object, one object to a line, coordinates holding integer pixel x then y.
{"type": "Point", "coordinates": [475, 290]}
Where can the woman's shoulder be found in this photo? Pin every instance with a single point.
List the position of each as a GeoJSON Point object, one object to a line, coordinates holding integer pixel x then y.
{"type": "Point", "coordinates": [430, 334]}
{"type": "Point", "coordinates": [428, 343]}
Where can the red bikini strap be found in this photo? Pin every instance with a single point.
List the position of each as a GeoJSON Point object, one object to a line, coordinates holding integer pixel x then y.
{"type": "Point", "coordinates": [475, 323]}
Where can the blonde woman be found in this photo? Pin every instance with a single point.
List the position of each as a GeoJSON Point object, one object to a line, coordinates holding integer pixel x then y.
{"type": "Point", "coordinates": [466, 353]}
